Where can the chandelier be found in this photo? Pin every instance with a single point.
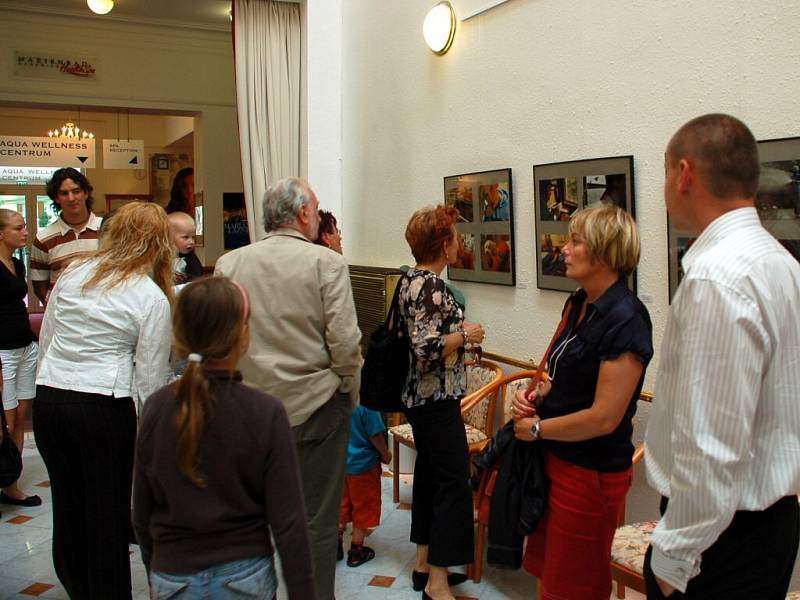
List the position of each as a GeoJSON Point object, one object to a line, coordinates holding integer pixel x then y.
{"type": "Point", "coordinates": [71, 131]}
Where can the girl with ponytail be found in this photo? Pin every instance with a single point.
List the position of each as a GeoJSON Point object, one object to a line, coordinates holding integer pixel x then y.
{"type": "Point", "coordinates": [216, 467]}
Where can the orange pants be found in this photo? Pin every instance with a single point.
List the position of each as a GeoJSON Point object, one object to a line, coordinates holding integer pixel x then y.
{"type": "Point", "coordinates": [361, 499]}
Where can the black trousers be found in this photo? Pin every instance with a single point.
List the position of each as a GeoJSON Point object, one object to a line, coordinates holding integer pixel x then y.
{"type": "Point", "coordinates": [751, 560]}
{"type": "Point", "coordinates": [441, 513]}
{"type": "Point", "coordinates": [87, 443]}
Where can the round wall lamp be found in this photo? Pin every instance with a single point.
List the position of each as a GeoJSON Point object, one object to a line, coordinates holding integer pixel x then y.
{"type": "Point", "coordinates": [100, 7]}
{"type": "Point", "coordinates": [439, 27]}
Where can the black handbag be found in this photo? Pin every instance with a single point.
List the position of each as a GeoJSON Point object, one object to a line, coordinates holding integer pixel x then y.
{"type": "Point", "coordinates": [10, 457]}
{"type": "Point", "coordinates": [385, 369]}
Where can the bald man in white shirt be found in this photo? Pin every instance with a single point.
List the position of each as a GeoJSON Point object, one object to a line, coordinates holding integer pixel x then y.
{"type": "Point", "coordinates": [723, 442]}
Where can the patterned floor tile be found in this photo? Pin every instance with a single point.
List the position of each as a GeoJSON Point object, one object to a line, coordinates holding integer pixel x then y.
{"type": "Point", "coordinates": [36, 589]}
{"type": "Point", "coordinates": [381, 581]}
{"type": "Point", "coordinates": [19, 519]}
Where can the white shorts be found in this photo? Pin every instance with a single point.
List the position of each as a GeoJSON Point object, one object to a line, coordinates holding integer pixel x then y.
{"type": "Point", "coordinates": [19, 374]}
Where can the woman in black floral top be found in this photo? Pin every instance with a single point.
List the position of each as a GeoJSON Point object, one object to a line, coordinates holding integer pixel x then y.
{"type": "Point", "coordinates": [441, 513]}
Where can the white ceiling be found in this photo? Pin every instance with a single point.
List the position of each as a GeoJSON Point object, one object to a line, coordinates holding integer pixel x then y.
{"type": "Point", "coordinates": [196, 14]}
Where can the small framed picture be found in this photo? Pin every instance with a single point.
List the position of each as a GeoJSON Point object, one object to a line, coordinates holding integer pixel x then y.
{"type": "Point", "coordinates": [562, 188]}
{"type": "Point", "coordinates": [162, 163]}
{"type": "Point", "coordinates": [485, 226]}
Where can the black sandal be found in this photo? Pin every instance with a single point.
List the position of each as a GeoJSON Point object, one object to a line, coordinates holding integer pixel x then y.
{"type": "Point", "coordinates": [27, 501]}
{"type": "Point", "coordinates": [358, 555]}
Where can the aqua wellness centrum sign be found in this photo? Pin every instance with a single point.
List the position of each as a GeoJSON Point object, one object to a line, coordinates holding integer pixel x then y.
{"type": "Point", "coordinates": [23, 151]}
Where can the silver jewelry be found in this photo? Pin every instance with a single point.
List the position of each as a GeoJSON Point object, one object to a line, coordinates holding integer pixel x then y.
{"type": "Point", "coordinates": [535, 431]}
{"type": "Point", "coordinates": [465, 335]}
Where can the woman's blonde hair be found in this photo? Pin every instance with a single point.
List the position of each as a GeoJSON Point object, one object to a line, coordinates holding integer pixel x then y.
{"type": "Point", "coordinates": [136, 242]}
{"type": "Point", "coordinates": [5, 217]}
{"type": "Point", "coordinates": [611, 235]}
{"type": "Point", "coordinates": [219, 306]}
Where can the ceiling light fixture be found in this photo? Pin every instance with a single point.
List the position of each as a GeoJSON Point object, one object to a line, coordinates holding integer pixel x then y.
{"type": "Point", "coordinates": [439, 27]}
{"type": "Point", "coordinates": [100, 7]}
{"type": "Point", "coordinates": [70, 131]}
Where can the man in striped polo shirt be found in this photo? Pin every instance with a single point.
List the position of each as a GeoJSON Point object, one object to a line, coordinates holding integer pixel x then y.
{"type": "Point", "coordinates": [72, 234]}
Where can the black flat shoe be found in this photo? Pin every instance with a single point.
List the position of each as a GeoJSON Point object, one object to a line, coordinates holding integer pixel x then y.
{"type": "Point", "coordinates": [419, 580]}
{"type": "Point", "coordinates": [27, 501]}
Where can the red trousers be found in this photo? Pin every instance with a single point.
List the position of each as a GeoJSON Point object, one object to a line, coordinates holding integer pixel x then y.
{"type": "Point", "coordinates": [570, 550]}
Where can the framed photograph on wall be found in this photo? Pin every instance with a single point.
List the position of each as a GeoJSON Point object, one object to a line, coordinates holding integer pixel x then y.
{"type": "Point", "coordinates": [485, 226]}
{"type": "Point", "coordinates": [777, 202]}
{"type": "Point", "coordinates": [679, 242]}
{"type": "Point", "coordinates": [559, 190]}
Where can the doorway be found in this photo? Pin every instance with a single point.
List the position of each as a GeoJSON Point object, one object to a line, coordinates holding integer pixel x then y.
{"type": "Point", "coordinates": [35, 207]}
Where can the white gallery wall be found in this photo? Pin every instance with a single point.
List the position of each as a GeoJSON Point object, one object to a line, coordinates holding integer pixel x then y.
{"type": "Point", "coordinates": [539, 81]}
{"type": "Point", "coordinates": [171, 69]}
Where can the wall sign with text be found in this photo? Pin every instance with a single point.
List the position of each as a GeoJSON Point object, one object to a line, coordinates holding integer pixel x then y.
{"type": "Point", "coordinates": [54, 65]}
{"type": "Point", "coordinates": [25, 151]}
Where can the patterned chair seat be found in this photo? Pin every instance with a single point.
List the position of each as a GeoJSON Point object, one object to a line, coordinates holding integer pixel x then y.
{"type": "Point", "coordinates": [404, 432]}
{"type": "Point", "coordinates": [630, 544]}
{"type": "Point", "coordinates": [793, 596]}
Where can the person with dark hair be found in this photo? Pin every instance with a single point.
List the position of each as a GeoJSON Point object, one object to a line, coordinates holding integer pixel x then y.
{"type": "Point", "coordinates": [105, 343]}
{"type": "Point", "coordinates": [207, 440]}
{"type": "Point", "coordinates": [441, 511]}
{"type": "Point", "coordinates": [329, 234]}
{"type": "Point", "coordinates": [73, 234]}
{"type": "Point", "coordinates": [181, 196]}
{"type": "Point", "coordinates": [722, 441]}
{"type": "Point", "coordinates": [305, 350]}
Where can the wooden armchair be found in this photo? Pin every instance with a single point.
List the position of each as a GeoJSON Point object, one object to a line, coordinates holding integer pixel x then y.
{"type": "Point", "coordinates": [477, 410]}
{"type": "Point", "coordinates": [507, 387]}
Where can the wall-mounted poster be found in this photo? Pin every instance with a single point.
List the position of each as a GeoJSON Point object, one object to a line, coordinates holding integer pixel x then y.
{"type": "Point", "coordinates": [236, 232]}
{"type": "Point", "coordinates": [562, 188]}
{"type": "Point", "coordinates": [777, 203]}
{"type": "Point", "coordinates": [485, 226]}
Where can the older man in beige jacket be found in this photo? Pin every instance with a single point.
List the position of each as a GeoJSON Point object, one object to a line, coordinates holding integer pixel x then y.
{"type": "Point", "coordinates": [304, 350]}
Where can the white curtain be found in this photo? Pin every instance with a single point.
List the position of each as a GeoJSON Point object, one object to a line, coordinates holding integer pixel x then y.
{"type": "Point", "coordinates": [267, 57]}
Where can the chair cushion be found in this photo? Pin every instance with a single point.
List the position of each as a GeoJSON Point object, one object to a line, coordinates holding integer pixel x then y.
{"type": "Point", "coordinates": [474, 435]}
{"type": "Point", "coordinates": [630, 544]}
{"type": "Point", "coordinates": [793, 595]}
{"type": "Point", "coordinates": [404, 431]}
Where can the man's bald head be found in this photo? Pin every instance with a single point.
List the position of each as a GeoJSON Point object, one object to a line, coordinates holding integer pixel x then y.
{"type": "Point", "coordinates": [724, 152]}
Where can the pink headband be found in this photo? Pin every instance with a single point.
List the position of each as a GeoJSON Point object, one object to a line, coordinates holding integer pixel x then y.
{"type": "Point", "coordinates": [245, 299]}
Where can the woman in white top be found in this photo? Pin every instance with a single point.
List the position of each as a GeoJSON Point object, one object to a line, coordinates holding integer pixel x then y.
{"type": "Point", "coordinates": [105, 341]}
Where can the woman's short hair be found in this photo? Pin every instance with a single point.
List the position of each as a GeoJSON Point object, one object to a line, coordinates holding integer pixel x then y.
{"type": "Point", "coordinates": [611, 236]}
{"type": "Point", "coordinates": [327, 224]}
{"type": "Point", "coordinates": [429, 230]}
{"type": "Point", "coordinates": [5, 217]}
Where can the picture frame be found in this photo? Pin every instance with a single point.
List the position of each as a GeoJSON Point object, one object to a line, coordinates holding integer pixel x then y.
{"type": "Point", "coordinates": [678, 242]}
{"type": "Point", "coordinates": [485, 226]}
{"type": "Point", "coordinates": [559, 190]}
{"type": "Point", "coordinates": [777, 203]}
{"type": "Point", "coordinates": [162, 164]}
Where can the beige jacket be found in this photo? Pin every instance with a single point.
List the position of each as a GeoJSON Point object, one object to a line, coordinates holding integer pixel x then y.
{"type": "Point", "coordinates": [304, 337]}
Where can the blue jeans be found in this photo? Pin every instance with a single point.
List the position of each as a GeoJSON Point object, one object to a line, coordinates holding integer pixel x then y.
{"type": "Point", "coordinates": [236, 580]}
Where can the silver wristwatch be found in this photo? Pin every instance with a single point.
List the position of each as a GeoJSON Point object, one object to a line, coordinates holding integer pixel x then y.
{"type": "Point", "coordinates": [535, 432]}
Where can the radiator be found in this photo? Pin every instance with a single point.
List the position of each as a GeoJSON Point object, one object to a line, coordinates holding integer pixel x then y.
{"type": "Point", "coordinates": [373, 288]}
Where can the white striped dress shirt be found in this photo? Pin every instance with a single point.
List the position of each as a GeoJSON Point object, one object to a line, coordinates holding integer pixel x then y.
{"type": "Point", "coordinates": [724, 433]}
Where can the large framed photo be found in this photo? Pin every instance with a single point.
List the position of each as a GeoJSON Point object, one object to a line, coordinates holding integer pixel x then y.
{"type": "Point", "coordinates": [559, 190]}
{"type": "Point", "coordinates": [777, 203]}
{"type": "Point", "coordinates": [485, 226]}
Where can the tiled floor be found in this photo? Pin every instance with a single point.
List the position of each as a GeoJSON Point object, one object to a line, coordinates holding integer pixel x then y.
{"type": "Point", "coordinates": [26, 568]}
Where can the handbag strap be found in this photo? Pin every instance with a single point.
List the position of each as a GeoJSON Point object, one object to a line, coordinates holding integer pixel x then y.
{"type": "Point", "coordinates": [559, 330]}
{"type": "Point", "coordinates": [394, 310]}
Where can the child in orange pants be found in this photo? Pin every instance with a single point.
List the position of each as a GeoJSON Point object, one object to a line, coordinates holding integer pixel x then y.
{"type": "Point", "coordinates": [361, 495]}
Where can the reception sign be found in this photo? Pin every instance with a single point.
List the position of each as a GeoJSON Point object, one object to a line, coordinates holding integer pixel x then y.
{"type": "Point", "coordinates": [23, 151]}
{"type": "Point", "coordinates": [123, 154]}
